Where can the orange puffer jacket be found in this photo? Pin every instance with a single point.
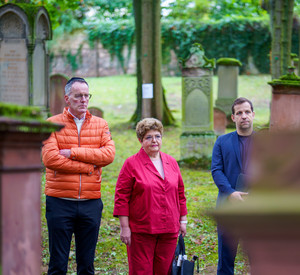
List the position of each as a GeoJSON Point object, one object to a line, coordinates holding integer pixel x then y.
{"type": "Point", "coordinates": [79, 176]}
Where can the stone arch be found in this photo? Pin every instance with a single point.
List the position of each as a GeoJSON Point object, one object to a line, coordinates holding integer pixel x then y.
{"type": "Point", "coordinates": [13, 18]}
{"type": "Point", "coordinates": [43, 29]}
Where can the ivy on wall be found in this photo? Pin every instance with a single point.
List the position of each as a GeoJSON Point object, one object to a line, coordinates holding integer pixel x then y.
{"type": "Point", "coordinates": [237, 38]}
{"type": "Point", "coordinates": [114, 36]}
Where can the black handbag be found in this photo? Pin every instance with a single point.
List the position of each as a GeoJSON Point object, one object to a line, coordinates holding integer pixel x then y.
{"type": "Point", "coordinates": [180, 264]}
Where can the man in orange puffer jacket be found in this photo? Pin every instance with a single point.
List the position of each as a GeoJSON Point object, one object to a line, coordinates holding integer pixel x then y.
{"type": "Point", "coordinates": [74, 157]}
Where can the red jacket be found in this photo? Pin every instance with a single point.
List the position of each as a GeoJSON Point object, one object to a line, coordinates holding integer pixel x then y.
{"type": "Point", "coordinates": [80, 175]}
{"type": "Point", "coordinates": [153, 205]}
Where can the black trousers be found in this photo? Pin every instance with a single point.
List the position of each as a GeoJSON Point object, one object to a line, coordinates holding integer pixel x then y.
{"type": "Point", "coordinates": [65, 217]}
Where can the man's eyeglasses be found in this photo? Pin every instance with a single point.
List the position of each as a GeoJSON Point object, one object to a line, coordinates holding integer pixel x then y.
{"type": "Point", "coordinates": [86, 96]}
{"type": "Point", "coordinates": [149, 138]}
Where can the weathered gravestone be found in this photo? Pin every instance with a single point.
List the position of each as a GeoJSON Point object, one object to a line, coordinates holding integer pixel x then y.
{"type": "Point", "coordinates": [228, 72]}
{"type": "Point", "coordinates": [24, 29]}
{"type": "Point", "coordinates": [57, 92]}
{"type": "Point", "coordinates": [285, 104]}
{"type": "Point", "coordinates": [22, 131]}
{"type": "Point", "coordinates": [197, 138]}
{"type": "Point", "coordinates": [95, 111]}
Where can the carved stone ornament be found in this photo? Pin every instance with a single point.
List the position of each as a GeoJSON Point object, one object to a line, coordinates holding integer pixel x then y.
{"type": "Point", "coordinates": [197, 59]}
{"type": "Point", "coordinates": [192, 83]}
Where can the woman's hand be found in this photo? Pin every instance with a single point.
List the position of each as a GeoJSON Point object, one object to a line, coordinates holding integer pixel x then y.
{"type": "Point", "coordinates": [183, 223]}
{"type": "Point", "coordinates": [182, 229]}
{"type": "Point", "coordinates": [125, 235]}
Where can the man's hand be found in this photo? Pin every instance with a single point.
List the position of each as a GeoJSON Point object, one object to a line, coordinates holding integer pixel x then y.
{"type": "Point", "coordinates": [65, 152]}
{"type": "Point", "coordinates": [237, 196]}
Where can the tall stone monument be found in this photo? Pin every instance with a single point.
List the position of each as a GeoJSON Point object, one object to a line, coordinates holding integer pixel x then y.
{"type": "Point", "coordinates": [197, 138]}
{"type": "Point", "coordinates": [24, 29]}
{"type": "Point", "coordinates": [228, 72]}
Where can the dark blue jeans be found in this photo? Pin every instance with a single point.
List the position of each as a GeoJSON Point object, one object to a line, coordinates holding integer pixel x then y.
{"type": "Point", "coordinates": [65, 217]}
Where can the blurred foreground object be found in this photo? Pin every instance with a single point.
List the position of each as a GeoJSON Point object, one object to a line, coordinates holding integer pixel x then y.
{"type": "Point", "coordinates": [268, 222]}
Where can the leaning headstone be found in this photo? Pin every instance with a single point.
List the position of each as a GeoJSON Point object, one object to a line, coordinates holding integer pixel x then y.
{"type": "Point", "coordinates": [228, 72]}
{"type": "Point", "coordinates": [24, 29]}
{"type": "Point", "coordinates": [57, 92]}
{"type": "Point", "coordinates": [285, 104]}
{"type": "Point", "coordinates": [197, 138]}
{"type": "Point", "coordinates": [95, 111]}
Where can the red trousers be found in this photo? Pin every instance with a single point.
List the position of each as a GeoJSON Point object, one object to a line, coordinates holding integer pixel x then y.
{"type": "Point", "coordinates": [151, 253]}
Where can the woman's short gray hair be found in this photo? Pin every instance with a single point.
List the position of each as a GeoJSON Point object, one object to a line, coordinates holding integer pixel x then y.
{"type": "Point", "coordinates": [146, 125]}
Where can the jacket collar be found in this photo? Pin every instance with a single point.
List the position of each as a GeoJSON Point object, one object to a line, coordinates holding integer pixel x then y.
{"type": "Point", "coordinates": [66, 113]}
{"type": "Point", "coordinates": [148, 163]}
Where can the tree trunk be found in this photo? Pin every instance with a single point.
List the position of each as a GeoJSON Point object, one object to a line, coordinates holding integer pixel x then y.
{"type": "Point", "coordinates": [148, 56]}
{"type": "Point", "coordinates": [281, 18]}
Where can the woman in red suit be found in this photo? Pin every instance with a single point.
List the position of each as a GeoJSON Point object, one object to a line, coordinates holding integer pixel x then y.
{"type": "Point", "coordinates": [150, 203]}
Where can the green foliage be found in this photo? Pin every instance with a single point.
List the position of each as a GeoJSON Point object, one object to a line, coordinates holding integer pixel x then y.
{"type": "Point", "coordinates": [236, 38]}
{"type": "Point", "coordinates": [221, 9]}
{"type": "Point", "coordinates": [185, 9]}
{"type": "Point", "coordinates": [114, 36]}
{"type": "Point", "coordinates": [74, 59]}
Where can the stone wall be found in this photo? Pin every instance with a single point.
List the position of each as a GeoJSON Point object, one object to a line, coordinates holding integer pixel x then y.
{"type": "Point", "coordinates": [94, 62]}
{"type": "Point", "coordinates": [91, 62]}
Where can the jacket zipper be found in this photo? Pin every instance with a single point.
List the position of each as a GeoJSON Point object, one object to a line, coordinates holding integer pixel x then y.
{"type": "Point", "coordinates": [79, 146]}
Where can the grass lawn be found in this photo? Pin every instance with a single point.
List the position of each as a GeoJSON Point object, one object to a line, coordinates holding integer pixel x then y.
{"type": "Point", "coordinates": [116, 96]}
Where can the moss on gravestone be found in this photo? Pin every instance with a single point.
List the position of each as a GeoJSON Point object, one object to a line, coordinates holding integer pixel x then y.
{"type": "Point", "coordinates": [24, 119]}
{"type": "Point", "coordinates": [18, 111]}
{"type": "Point", "coordinates": [227, 61]}
{"type": "Point", "coordinates": [287, 80]}
{"type": "Point", "coordinates": [30, 10]}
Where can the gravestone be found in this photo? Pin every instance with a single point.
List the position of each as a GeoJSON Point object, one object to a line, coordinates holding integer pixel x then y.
{"type": "Point", "coordinates": [228, 72]}
{"type": "Point", "coordinates": [197, 138]}
{"type": "Point", "coordinates": [57, 92]}
{"type": "Point", "coordinates": [95, 111]}
{"type": "Point", "coordinates": [285, 104]}
{"type": "Point", "coordinates": [23, 58]}
{"type": "Point", "coordinates": [220, 121]}
{"type": "Point", "coordinates": [22, 131]}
